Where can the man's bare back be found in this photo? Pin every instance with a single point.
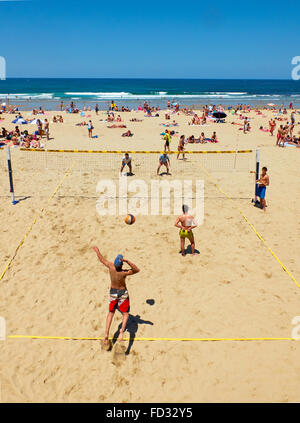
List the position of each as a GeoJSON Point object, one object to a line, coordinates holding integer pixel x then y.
{"type": "Point", "coordinates": [118, 277]}
{"type": "Point", "coordinates": [187, 221]}
{"type": "Point", "coordinates": [118, 292]}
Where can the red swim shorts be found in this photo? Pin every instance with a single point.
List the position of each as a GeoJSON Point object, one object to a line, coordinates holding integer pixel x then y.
{"type": "Point", "coordinates": [119, 298]}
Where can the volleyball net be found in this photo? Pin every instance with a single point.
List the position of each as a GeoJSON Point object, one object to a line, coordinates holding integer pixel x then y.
{"type": "Point", "coordinates": [36, 170]}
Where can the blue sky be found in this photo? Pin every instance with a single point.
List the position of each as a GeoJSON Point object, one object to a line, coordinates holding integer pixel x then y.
{"type": "Point", "coordinates": [159, 39]}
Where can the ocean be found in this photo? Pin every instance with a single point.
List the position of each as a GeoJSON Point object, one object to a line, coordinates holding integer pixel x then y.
{"type": "Point", "coordinates": [49, 92]}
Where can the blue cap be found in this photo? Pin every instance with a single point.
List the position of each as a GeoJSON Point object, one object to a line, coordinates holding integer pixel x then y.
{"type": "Point", "coordinates": [118, 261]}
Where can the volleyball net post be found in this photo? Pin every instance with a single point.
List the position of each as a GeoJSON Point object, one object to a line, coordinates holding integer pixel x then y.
{"type": "Point", "coordinates": [254, 200]}
{"type": "Point", "coordinates": [10, 175]}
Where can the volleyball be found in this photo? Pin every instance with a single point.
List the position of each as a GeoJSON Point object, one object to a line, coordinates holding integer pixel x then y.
{"type": "Point", "coordinates": [129, 219]}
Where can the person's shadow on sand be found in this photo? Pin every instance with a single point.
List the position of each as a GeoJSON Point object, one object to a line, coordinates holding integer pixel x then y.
{"type": "Point", "coordinates": [188, 250]}
{"type": "Point", "coordinates": [132, 328]}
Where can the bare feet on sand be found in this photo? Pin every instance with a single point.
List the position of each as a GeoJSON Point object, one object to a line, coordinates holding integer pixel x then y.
{"type": "Point", "coordinates": [106, 344]}
{"type": "Point", "coordinates": [121, 336]}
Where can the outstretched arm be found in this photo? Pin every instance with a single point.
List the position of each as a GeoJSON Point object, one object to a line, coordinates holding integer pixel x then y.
{"type": "Point", "coordinates": [100, 257]}
{"type": "Point", "coordinates": [134, 269]}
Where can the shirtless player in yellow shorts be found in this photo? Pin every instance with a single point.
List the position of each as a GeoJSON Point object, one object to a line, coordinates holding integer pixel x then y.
{"type": "Point", "coordinates": [186, 223]}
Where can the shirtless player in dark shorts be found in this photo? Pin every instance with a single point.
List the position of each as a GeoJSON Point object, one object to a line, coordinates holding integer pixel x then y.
{"type": "Point", "coordinates": [119, 297]}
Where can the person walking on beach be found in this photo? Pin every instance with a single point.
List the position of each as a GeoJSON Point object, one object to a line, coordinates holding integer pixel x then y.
{"type": "Point", "coordinates": [167, 139]}
{"type": "Point", "coordinates": [245, 125]}
{"type": "Point", "coordinates": [293, 118]}
{"type": "Point", "coordinates": [40, 127]}
{"type": "Point", "coordinates": [96, 109]}
{"type": "Point", "coordinates": [262, 182]}
{"type": "Point", "coordinates": [280, 134]}
{"type": "Point", "coordinates": [272, 125]}
{"type": "Point", "coordinates": [181, 147]}
{"type": "Point", "coordinates": [90, 129]}
{"type": "Point", "coordinates": [186, 223]}
{"type": "Point", "coordinates": [119, 297]}
{"type": "Point", "coordinates": [46, 127]}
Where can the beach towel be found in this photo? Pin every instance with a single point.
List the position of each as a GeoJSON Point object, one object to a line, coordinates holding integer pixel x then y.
{"type": "Point", "coordinates": [210, 140]}
{"type": "Point", "coordinates": [286, 144]}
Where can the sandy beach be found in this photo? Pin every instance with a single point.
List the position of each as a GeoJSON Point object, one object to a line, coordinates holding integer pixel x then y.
{"type": "Point", "coordinates": [234, 287]}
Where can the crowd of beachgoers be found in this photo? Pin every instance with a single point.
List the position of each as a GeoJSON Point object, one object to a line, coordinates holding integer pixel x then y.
{"type": "Point", "coordinates": [283, 122]}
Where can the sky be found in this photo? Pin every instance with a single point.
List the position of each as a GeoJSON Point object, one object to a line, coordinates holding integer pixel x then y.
{"type": "Point", "coordinates": [150, 39]}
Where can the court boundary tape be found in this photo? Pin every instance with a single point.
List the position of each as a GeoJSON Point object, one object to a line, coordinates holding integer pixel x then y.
{"type": "Point", "coordinates": [136, 152]}
{"type": "Point", "coordinates": [252, 227]}
{"type": "Point", "coordinates": [33, 223]}
{"type": "Point", "coordinates": [70, 338]}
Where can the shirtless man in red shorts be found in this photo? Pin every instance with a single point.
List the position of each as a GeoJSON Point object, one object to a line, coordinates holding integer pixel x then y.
{"type": "Point", "coordinates": [119, 297]}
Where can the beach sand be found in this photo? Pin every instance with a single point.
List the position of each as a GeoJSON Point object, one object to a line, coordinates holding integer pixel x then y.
{"type": "Point", "coordinates": [234, 288]}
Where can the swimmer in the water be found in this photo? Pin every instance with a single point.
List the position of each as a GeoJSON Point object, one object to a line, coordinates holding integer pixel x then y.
{"type": "Point", "coordinates": [186, 223]}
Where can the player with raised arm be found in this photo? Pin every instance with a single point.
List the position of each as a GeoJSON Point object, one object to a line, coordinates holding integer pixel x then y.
{"type": "Point", "coordinates": [119, 297]}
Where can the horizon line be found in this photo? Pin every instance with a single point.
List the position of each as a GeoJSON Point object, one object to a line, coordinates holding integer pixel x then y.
{"type": "Point", "coordinates": [183, 78]}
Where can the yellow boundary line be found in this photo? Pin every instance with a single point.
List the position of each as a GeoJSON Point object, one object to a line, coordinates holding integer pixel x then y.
{"type": "Point", "coordinates": [136, 152]}
{"type": "Point", "coordinates": [252, 227]}
{"type": "Point", "coordinates": [69, 338]}
{"type": "Point", "coordinates": [33, 223]}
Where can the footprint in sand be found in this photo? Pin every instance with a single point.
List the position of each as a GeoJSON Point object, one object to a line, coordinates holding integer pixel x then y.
{"type": "Point", "coordinates": [106, 347]}
{"type": "Point", "coordinates": [119, 354]}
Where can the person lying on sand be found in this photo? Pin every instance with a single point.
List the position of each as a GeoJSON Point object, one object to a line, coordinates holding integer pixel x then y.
{"type": "Point", "coordinates": [127, 134]}
{"type": "Point", "coordinates": [117, 126]}
{"type": "Point", "coordinates": [119, 297]}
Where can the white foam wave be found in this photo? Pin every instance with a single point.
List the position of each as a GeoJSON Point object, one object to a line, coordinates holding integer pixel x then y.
{"type": "Point", "coordinates": [28, 96]}
{"type": "Point", "coordinates": [99, 94]}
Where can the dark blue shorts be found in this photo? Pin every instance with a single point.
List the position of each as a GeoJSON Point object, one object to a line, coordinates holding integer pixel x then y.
{"type": "Point", "coordinates": [261, 191]}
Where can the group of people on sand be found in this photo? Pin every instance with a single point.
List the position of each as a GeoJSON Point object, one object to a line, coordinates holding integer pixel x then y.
{"type": "Point", "coordinates": [167, 137]}
{"type": "Point", "coordinates": [115, 108]}
{"type": "Point", "coordinates": [90, 126]}
{"type": "Point", "coordinates": [20, 138]}
{"type": "Point", "coordinates": [57, 119]}
{"type": "Point", "coordinates": [118, 293]}
{"type": "Point", "coordinates": [112, 118]}
{"type": "Point", "coordinates": [25, 139]}
{"type": "Point", "coordinates": [39, 111]}
{"type": "Point", "coordinates": [285, 136]}
{"type": "Point", "coordinates": [197, 120]}
{"type": "Point", "coordinates": [10, 109]}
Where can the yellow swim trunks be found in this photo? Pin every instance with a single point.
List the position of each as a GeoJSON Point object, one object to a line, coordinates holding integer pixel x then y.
{"type": "Point", "coordinates": [185, 234]}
